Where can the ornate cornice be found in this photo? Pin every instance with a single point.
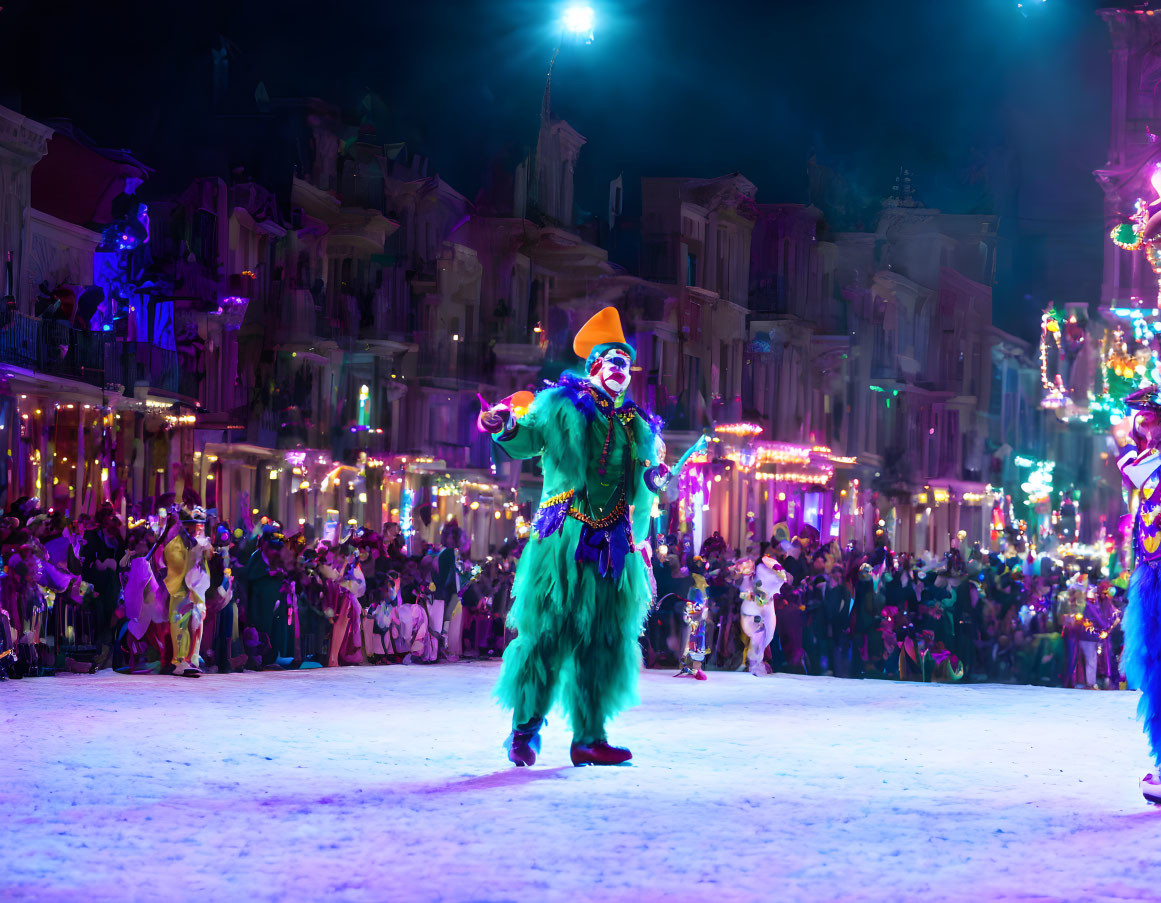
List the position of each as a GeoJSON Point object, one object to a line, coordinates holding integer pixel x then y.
{"type": "Point", "coordinates": [23, 137]}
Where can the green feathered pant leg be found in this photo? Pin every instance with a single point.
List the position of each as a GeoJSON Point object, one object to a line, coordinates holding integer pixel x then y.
{"type": "Point", "coordinates": [528, 675]}
{"type": "Point", "coordinates": [576, 637]}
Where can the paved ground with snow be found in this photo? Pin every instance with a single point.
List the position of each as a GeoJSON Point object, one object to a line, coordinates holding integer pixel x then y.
{"type": "Point", "coordinates": [389, 784]}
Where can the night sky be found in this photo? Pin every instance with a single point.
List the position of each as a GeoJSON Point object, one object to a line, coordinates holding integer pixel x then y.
{"type": "Point", "coordinates": [991, 110]}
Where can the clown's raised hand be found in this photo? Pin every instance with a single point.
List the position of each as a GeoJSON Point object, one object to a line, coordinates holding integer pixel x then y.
{"type": "Point", "coordinates": [493, 418]}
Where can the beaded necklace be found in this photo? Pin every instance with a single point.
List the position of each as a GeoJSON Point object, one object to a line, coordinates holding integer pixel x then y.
{"type": "Point", "coordinates": [624, 416]}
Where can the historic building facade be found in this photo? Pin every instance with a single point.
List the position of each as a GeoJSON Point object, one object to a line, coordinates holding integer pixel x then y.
{"type": "Point", "coordinates": [313, 346]}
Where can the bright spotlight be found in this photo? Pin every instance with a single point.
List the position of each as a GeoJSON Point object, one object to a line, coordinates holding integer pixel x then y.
{"type": "Point", "coordinates": [578, 19]}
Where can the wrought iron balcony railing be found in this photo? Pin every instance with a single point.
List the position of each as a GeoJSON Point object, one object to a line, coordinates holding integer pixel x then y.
{"type": "Point", "coordinates": [54, 347]}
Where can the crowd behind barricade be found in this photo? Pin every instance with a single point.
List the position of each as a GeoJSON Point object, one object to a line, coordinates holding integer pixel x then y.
{"type": "Point", "coordinates": [182, 594]}
{"type": "Point", "coordinates": [1005, 616]}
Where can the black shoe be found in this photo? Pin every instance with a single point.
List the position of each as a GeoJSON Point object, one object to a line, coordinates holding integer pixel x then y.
{"type": "Point", "coordinates": [524, 742]}
{"type": "Point", "coordinates": [167, 669]}
{"type": "Point", "coordinates": [599, 753]}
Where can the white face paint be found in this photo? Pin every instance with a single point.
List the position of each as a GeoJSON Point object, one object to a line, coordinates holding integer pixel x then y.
{"type": "Point", "coordinates": [610, 372]}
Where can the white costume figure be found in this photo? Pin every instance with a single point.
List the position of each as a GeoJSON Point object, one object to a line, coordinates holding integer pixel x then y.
{"type": "Point", "coordinates": [377, 626]}
{"type": "Point", "coordinates": [145, 598]}
{"type": "Point", "coordinates": [353, 580]}
{"type": "Point", "coordinates": [409, 630]}
{"type": "Point", "coordinates": [760, 584]}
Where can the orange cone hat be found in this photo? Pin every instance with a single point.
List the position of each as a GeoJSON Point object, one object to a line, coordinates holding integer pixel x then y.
{"type": "Point", "coordinates": [603, 328]}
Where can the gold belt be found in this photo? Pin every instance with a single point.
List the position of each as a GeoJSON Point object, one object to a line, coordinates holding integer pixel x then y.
{"type": "Point", "coordinates": [556, 499]}
{"type": "Point", "coordinates": [605, 522]}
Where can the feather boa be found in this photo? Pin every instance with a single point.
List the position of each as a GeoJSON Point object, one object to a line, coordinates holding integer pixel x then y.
{"type": "Point", "coordinates": [554, 412]}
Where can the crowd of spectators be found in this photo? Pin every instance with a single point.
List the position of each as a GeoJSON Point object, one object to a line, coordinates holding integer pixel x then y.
{"type": "Point", "coordinates": [97, 593]}
{"type": "Point", "coordinates": [1000, 616]}
{"type": "Point", "coordinates": [185, 594]}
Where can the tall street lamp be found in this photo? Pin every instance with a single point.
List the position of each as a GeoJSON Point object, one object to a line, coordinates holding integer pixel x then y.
{"type": "Point", "coordinates": [577, 21]}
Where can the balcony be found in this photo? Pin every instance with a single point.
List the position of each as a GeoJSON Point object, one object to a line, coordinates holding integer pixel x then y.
{"type": "Point", "coordinates": [54, 348]}
{"type": "Point", "coordinates": [133, 364]}
{"type": "Point", "coordinates": [768, 296]}
{"type": "Point", "coordinates": [255, 427]}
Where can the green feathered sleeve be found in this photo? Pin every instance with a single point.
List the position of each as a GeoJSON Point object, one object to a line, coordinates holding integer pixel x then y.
{"type": "Point", "coordinates": [641, 495]}
{"type": "Point", "coordinates": [526, 440]}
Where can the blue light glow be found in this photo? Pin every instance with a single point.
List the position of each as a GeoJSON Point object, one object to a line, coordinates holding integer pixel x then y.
{"type": "Point", "coordinates": [405, 504]}
{"type": "Point", "coordinates": [578, 19]}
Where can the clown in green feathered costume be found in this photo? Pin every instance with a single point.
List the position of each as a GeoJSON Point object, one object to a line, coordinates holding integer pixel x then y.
{"type": "Point", "coordinates": [581, 592]}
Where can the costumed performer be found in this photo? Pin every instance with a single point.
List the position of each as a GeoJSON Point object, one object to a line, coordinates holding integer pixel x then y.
{"type": "Point", "coordinates": [581, 592]}
{"type": "Point", "coordinates": [355, 584]}
{"type": "Point", "coordinates": [338, 605]}
{"type": "Point", "coordinates": [446, 611]}
{"type": "Point", "coordinates": [694, 615]}
{"type": "Point", "coordinates": [185, 582]}
{"type": "Point", "coordinates": [760, 584]}
{"type": "Point", "coordinates": [1140, 465]}
{"type": "Point", "coordinates": [1094, 637]}
{"type": "Point", "coordinates": [381, 614]}
{"type": "Point", "coordinates": [146, 607]}
{"type": "Point", "coordinates": [410, 637]}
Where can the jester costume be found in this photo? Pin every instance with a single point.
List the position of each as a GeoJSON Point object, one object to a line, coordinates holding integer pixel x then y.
{"type": "Point", "coordinates": [581, 591]}
{"type": "Point", "coordinates": [186, 583]}
{"type": "Point", "coordinates": [694, 615]}
{"type": "Point", "coordinates": [1141, 468]}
